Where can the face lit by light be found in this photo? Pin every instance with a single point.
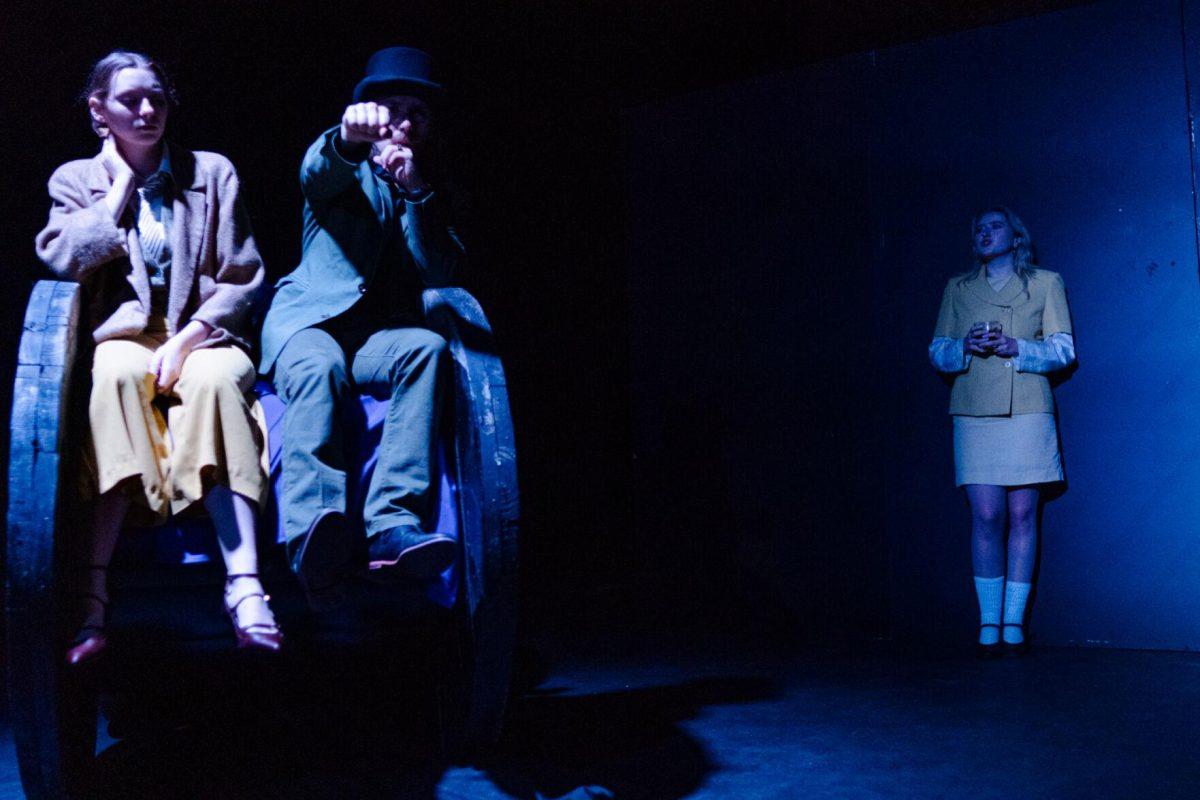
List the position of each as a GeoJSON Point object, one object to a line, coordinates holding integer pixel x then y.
{"type": "Point", "coordinates": [411, 121]}
{"type": "Point", "coordinates": [135, 108]}
{"type": "Point", "coordinates": [993, 236]}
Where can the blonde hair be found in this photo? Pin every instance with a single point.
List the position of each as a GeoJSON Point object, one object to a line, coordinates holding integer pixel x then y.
{"type": "Point", "coordinates": [1023, 251]}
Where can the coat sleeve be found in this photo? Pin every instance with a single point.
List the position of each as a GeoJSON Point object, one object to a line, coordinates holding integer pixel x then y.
{"type": "Point", "coordinates": [81, 235]}
{"type": "Point", "coordinates": [325, 171]}
{"type": "Point", "coordinates": [433, 232]}
{"type": "Point", "coordinates": [947, 318]}
{"type": "Point", "coordinates": [237, 274]}
{"type": "Point", "coordinates": [1056, 318]}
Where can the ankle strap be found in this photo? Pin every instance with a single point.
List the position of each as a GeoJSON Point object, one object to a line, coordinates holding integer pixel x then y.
{"type": "Point", "coordinates": [92, 596]}
{"type": "Point", "coordinates": [236, 575]}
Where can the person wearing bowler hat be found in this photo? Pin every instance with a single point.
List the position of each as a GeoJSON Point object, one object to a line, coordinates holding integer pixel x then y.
{"type": "Point", "coordinates": [378, 228]}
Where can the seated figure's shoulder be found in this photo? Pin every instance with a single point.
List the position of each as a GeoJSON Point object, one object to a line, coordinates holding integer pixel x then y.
{"type": "Point", "coordinates": [209, 163]}
{"type": "Point", "coordinates": [73, 171]}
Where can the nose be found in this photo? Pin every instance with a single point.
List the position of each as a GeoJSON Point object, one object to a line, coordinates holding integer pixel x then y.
{"type": "Point", "coordinates": [146, 108]}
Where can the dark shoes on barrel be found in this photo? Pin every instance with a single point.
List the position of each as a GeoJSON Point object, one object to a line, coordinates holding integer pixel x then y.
{"type": "Point", "coordinates": [408, 552]}
{"type": "Point", "coordinates": [325, 558]}
{"type": "Point", "coordinates": [322, 560]}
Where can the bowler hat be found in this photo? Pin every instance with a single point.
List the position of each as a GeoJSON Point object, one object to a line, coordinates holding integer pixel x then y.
{"type": "Point", "coordinates": [399, 70]}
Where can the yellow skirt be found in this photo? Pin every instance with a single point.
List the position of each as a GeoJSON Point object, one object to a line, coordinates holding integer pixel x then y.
{"type": "Point", "coordinates": [207, 430]}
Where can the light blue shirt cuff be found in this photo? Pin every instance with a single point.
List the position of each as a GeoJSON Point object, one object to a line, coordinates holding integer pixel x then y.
{"type": "Point", "coordinates": [947, 355]}
{"type": "Point", "coordinates": [1051, 354]}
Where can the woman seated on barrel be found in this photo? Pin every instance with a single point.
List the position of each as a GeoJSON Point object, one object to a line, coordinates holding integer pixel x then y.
{"type": "Point", "coordinates": [162, 242]}
{"type": "Point", "coordinates": [1001, 329]}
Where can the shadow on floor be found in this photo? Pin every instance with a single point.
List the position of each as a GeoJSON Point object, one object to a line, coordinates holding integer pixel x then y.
{"type": "Point", "coordinates": [626, 744]}
{"type": "Point", "coordinates": [340, 726]}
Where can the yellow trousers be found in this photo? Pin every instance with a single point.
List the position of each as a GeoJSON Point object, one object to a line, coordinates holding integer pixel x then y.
{"type": "Point", "coordinates": [212, 432]}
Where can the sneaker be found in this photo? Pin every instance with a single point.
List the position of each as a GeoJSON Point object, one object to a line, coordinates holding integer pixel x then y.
{"type": "Point", "coordinates": [409, 552]}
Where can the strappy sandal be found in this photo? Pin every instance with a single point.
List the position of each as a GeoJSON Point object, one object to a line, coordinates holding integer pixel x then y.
{"type": "Point", "coordinates": [90, 640]}
{"type": "Point", "coordinates": [264, 636]}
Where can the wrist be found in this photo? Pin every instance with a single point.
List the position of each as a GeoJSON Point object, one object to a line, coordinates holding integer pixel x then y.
{"type": "Point", "coordinates": [349, 149]}
{"type": "Point", "coordinates": [416, 192]}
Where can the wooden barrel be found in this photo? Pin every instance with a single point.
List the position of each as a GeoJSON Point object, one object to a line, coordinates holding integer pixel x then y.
{"type": "Point", "coordinates": [53, 712]}
{"type": "Point", "coordinates": [476, 692]}
{"type": "Point", "coordinates": [54, 709]}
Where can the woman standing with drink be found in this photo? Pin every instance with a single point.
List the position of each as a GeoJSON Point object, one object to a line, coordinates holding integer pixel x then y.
{"type": "Point", "coordinates": [160, 239]}
{"type": "Point", "coordinates": [1001, 329]}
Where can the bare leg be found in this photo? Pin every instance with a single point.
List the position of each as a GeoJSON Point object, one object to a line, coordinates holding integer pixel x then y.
{"type": "Point", "coordinates": [1022, 533]}
{"type": "Point", "coordinates": [988, 510]}
{"type": "Point", "coordinates": [987, 554]}
{"type": "Point", "coordinates": [1022, 555]}
{"type": "Point", "coordinates": [235, 518]}
{"type": "Point", "coordinates": [108, 515]}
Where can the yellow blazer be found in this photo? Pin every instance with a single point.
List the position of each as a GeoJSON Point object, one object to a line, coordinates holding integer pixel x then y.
{"type": "Point", "coordinates": [991, 387]}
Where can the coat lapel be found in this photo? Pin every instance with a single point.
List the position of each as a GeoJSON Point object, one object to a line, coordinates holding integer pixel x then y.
{"type": "Point", "coordinates": [189, 216]}
{"type": "Point", "coordinates": [376, 193]}
{"type": "Point", "coordinates": [1010, 294]}
{"type": "Point", "coordinates": [98, 183]}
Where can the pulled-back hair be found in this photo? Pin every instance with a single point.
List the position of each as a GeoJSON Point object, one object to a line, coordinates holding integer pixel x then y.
{"type": "Point", "coordinates": [1023, 251]}
{"type": "Point", "coordinates": [100, 79]}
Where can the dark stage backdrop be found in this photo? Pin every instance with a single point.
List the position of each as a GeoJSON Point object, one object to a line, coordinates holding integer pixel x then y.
{"type": "Point", "coordinates": [539, 153]}
{"type": "Point", "coordinates": [790, 239]}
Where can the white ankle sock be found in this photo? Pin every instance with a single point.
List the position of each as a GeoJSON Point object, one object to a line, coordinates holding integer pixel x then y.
{"type": "Point", "coordinates": [990, 592]}
{"type": "Point", "coordinates": [1016, 594]}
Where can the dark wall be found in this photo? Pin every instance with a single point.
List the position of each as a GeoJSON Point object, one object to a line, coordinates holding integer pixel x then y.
{"type": "Point", "coordinates": [804, 239]}
{"type": "Point", "coordinates": [755, 423]}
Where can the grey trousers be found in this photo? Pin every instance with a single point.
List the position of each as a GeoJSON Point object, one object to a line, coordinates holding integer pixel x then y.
{"type": "Point", "coordinates": [316, 376]}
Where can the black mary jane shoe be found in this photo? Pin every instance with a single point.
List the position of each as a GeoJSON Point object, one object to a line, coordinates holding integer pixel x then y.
{"type": "Point", "coordinates": [989, 651]}
{"type": "Point", "coordinates": [1018, 649]}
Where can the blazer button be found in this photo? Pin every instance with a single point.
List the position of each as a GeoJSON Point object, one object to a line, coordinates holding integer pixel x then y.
{"type": "Point", "coordinates": [1007, 364]}
{"type": "Point", "coordinates": [362, 288]}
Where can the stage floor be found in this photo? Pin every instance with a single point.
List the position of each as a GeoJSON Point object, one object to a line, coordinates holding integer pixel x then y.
{"type": "Point", "coordinates": [664, 717]}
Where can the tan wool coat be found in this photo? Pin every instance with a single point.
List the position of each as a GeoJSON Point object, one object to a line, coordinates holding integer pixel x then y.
{"type": "Point", "coordinates": [216, 271]}
{"type": "Point", "coordinates": [991, 386]}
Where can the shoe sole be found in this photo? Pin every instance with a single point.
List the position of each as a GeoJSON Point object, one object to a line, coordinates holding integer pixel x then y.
{"type": "Point", "coordinates": [323, 563]}
{"type": "Point", "coordinates": [425, 560]}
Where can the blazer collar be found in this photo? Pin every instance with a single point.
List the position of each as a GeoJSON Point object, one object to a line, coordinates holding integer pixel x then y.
{"type": "Point", "coordinates": [1010, 294]}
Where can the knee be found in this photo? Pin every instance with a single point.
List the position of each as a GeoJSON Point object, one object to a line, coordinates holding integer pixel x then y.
{"type": "Point", "coordinates": [312, 373]}
{"type": "Point", "coordinates": [1022, 518]}
{"type": "Point", "coordinates": [428, 345]}
{"type": "Point", "coordinates": [423, 350]}
{"type": "Point", "coordinates": [203, 377]}
{"type": "Point", "coordinates": [988, 516]}
{"type": "Point", "coordinates": [112, 370]}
